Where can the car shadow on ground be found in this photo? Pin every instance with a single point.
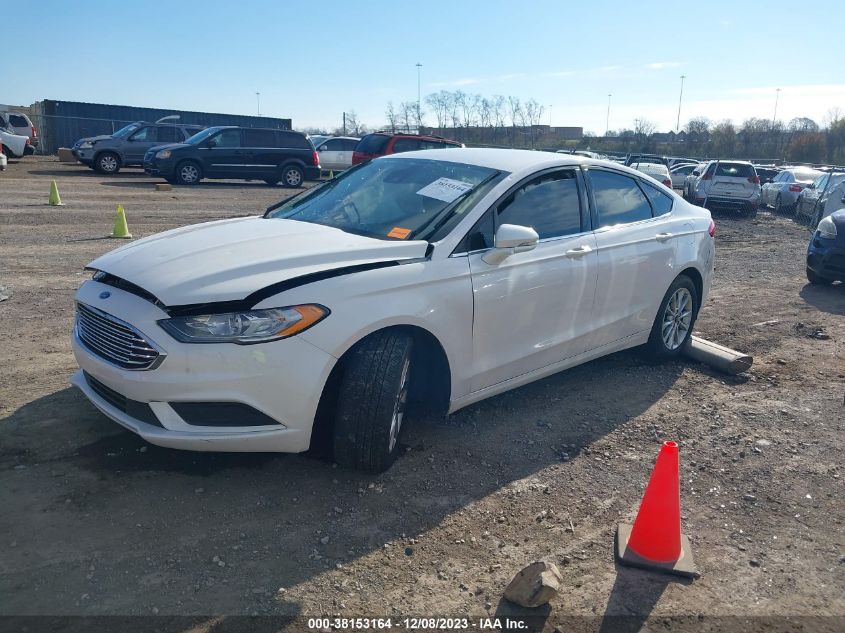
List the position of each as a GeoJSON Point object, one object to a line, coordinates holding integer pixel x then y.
{"type": "Point", "coordinates": [81, 170]}
{"type": "Point", "coordinates": [91, 485]}
{"type": "Point", "coordinates": [830, 299]}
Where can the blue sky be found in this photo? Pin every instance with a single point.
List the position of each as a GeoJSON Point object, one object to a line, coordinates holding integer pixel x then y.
{"type": "Point", "coordinates": [312, 60]}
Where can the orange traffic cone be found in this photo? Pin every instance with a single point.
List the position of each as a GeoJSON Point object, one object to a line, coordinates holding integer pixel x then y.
{"type": "Point", "coordinates": [655, 540]}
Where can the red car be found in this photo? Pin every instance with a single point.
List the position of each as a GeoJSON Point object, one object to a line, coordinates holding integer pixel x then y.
{"type": "Point", "coordinates": [384, 143]}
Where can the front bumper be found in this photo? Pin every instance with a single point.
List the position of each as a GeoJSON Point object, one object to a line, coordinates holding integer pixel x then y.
{"type": "Point", "coordinates": [282, 379]}
{"type": "Point", "coordinates": [827, 258]}
{"type": "Point", "coordinates": [163, 168]}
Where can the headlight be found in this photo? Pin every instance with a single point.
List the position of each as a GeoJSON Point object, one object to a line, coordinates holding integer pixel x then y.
{"type": "Point", "coordinates": [827, 228]}
{"type": "Point", "coordinates": [165, 153]}
{"type": "Point", "coordinates": [250, 326]}
{"type": "Point", "coordinates": [86, 145]}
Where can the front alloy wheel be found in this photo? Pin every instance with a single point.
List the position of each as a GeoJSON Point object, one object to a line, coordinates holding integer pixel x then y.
{"type": "Point", "coordinates": [372, 400]}
{"type": "Point", "coordinates": [108, 163]}
{"type": "Point", "coordinates": [188, 173]}
{"type": "Point", "coordinates": [292, 177]}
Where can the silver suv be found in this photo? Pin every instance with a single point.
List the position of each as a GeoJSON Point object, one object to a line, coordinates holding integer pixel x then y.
{"type": "Point", "coordinates": [126, 147]}
{"type": "Point", "coordinates": [728, 183]}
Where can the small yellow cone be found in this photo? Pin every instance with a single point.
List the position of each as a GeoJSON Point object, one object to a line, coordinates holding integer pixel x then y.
{"type": "Point", "coordinates": [331, 175]}
{"type": "Point", "coordinates": [120, 230]}
{"type": "Point", "coordinates": [54, 200]}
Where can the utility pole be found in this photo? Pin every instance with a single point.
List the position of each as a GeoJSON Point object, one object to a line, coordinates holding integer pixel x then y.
{"type": "Point", "coordinates": [344, 123]}
{"type": "Point", "coordinates": [258, 103]}
{"type": "Point", "coordinates": [550, 115]}
{"type": "Point", "coordinates": [680, 99]}
{"type": "Point", "coordinates": [607, 121]}
{"type": "Point", "coordinates": [419, 105]}
{"type": "Point", "coordinates": [775, 115]}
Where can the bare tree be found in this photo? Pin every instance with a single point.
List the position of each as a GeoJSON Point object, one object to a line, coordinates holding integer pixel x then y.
{"type": "Point", "coordinates": [498, 114]}
{"type": "Point", "coordinates": [353, 125]}
{"type": "Point", "coordinates": [802, 125]}
{"type": "Point", "coordinates": [392, 117]}
{"type": "Point", "coordinates": [439, 103]}
{"type": "Point", "coordinates": [407, 116]}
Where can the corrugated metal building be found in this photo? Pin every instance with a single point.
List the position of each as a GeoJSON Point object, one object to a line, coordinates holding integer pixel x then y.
{"type": "Point", "coordinates": [61, 123]}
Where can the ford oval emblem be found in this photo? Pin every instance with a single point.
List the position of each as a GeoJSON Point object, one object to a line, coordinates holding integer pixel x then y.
{"type": "Point", "coordinates": [105, 294]}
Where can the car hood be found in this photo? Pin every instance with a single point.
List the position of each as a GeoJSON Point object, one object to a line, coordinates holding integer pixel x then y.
{"type": "Point", "coordinates": [170, 146]}
{"type": "Point", "coordinates": [94, 139]}
{"type": "Point", "coordinates": [228, 260]}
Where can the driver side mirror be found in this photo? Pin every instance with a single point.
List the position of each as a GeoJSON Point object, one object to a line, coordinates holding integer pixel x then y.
{"type": "Point", "coordinates": [511, 239]}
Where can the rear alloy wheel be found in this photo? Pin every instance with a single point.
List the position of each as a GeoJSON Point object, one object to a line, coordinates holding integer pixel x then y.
{"type": "Point", "coordinates": [107, 163]}
{"type": "Point", "coordinates": [292, 176]}
{"type": "Point", "coordinates": [188, 173]}
{"type": "Point", "coordinates": [371, 402]}
{"type": "Point", "coordinates": [816, 279]}
{"type": "Point", "coordinates": [672, 328]}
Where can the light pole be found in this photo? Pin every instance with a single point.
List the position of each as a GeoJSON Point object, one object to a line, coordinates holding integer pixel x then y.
{"type": "Point", "coordinates": [775, 115]}
{"type": "Point", "coordinates": [680, 99]}
{"type": "Point", "coordinates": [258, 103]}
{"type": "Point", "coordinates": [419, 70]}
{"type": "Point", "coordinates": [607, 120]}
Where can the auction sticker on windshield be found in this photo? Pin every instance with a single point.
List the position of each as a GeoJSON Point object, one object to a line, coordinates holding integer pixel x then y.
{"type": "Point", "coordinates": [445, 189]}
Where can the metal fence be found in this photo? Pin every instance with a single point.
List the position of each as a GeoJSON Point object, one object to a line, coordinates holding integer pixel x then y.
{"type": "Point", "coordinates": [62, 123]}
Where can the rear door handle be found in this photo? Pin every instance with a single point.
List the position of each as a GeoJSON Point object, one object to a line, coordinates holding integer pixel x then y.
{"type": "Point", "coordinates": [662, 237]}
{"type": "Point", "coordinates": [578, 252]}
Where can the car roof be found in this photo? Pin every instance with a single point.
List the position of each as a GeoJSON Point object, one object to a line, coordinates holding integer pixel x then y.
{"type": "Point", "coordinates": [510, 160]}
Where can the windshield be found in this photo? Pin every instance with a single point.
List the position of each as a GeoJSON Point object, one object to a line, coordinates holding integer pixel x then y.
{"type": "Point", "coordinates": [125, 131]}
{"type": "Point", "coordinates": [401, 199]}
{"type": "Point", "coordinates": [199, 137]}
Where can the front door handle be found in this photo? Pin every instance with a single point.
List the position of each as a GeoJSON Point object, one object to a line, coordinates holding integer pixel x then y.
{"type": "Point", "coordinates": [578, 252]}
{"type": "Point", "coordinates": [662, 237]}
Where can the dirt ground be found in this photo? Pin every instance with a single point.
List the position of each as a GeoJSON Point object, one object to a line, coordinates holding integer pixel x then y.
{"type": "Point", "coordinates": [95, 522]}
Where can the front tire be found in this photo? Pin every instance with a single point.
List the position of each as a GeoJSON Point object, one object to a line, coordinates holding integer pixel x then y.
{"type": "Point", "coordinates": [107, 163]}
{"type": "Point", "coordinates": [188, 173]}
{"type": "Point", "coordinates": [672, 328]}
{"type": "Point", "coordinates": [292, 176]}
{"type": "Point", "coordinates": [371, 402]}
{"type": "Point", "coordinates": [816, 279]}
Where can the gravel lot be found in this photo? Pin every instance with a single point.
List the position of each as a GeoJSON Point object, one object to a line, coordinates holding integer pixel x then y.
{"type": "Point", "coordinates": [96, 522]}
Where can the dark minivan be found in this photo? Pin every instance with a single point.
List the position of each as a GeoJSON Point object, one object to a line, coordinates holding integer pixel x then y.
{"type": "Point", "coordinates": [237, 153]}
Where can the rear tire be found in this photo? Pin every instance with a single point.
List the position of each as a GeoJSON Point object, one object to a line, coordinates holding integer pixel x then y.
{"type": "Point", "coordinates": [672, 328]}
{"type": "Point", "coordinates": [188, 173]}
{"type": "Point", "coordinates": [107, 163]}
{"type": "Point", "coordinates": [816, 279]}
{"type": "Point", "coordinates": [372, 400]}
{"type": "Point", "coordinates": [292, 176]}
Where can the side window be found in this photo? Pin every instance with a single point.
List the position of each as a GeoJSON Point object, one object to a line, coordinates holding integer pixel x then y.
{"type": "Point", "coordinates": [227, 138]}
{"type": "Point", "coordinates": [334, 145]}
{"type": "Point", "coordinates": [549, 204]}
{"type": "Point", "coordinates": [349, 145]}
{"type": "Point", "coordinates": [405, 145]}
{"type": "Point", "coordinates": [618, 199]}
{"type": "Point", "coordinates": [293, 140]}
{"type": "Point", "coordinates": [259, 138]}
{"type": "Point", "coordinates": [169, 135]}
{"type": "Point", "coordinates": [147, 133]}
{"type": "Point", "coordinates": [661, 202]}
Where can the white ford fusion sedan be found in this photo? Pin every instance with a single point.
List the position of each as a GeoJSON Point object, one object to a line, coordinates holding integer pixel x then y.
{"type": "Point", "coordinates": [441, 277]}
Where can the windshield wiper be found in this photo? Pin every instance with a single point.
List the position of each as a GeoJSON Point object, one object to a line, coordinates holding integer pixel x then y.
{"type": "Point", "coordinates": [441, 218]}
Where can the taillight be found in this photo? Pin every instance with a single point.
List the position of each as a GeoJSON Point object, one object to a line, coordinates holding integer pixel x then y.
{"type": "Point", "coordinates": [316, 158]}
{"type": "Point", "coordinates": [754, 180]}
{"type": "Point", "coordinates": [668, 183]}
{"type": "Point", "coordinates": [34, 132]}
{"type": "Point", "coordinates": [360, 157]}
{"type": "Point", "coordinates": [712, 229]}
{"type": "Point", "coordinates": [795, 188]}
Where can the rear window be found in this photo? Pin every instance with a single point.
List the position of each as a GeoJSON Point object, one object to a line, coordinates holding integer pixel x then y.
{"type": "Point", "coordinates": [293, 140]}
{"type": "Point", "coordinates": [372, 144]}
{"type": "Point", "coordinates": [18, 121]}
{"type": "Point", "coordinates": [735, 170]}
{"type": "Point", "coordinates": [806, 176]}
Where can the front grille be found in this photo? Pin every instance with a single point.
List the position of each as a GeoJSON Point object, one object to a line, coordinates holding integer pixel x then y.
{"type": "Point", "coordinates": [114, 340]}
{"type": "Point", "coordinates": [138, 410]}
